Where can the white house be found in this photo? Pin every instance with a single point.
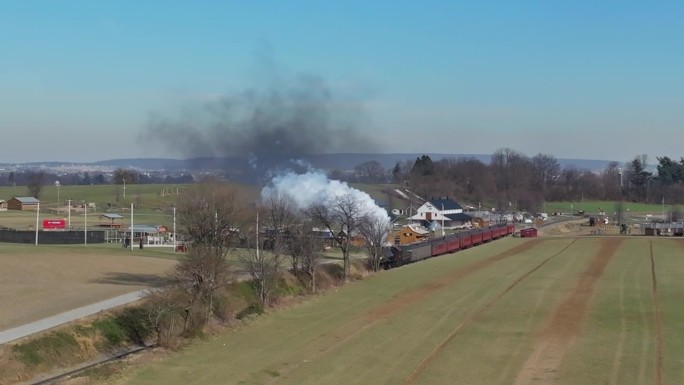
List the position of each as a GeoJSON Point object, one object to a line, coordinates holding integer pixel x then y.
{"type": "Point", "coordinates": [443, 210]}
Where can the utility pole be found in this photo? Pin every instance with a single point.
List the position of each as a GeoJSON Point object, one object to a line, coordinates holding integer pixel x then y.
{"type": "Point", "coordinates": [442, 213]}
{"type": "Point", "coordinates": [175, 243]}
{"type": "Point", "coordinates": [132, 231]}
{"type": "Point", "coordinates": [85, 228]}
{"type": "Point", "coordinates": [69, 217]}
{"type": "Point", "coordinates": [37, 221]}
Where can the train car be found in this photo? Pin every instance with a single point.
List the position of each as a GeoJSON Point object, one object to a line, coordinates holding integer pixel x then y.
{"type": "Point", "coordinates": [454, 243]}
{"type": "Point", "coordinates": [440, 247]}
{"type": "Point", "coordinates": [510, 229]}
{"type": "Point", "coordinates": [418, 252]}
{"type": "Point", "coordinates": [486, 234]}
{"type": "Point", "coordinates": [476, 237]}
{"type": "Point", "coordinates": [401, 255]}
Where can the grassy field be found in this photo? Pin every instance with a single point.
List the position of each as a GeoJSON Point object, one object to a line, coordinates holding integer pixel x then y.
{"type": "Point", "coordinates": [593, 207]}
{"type": "Point", "coordinates": [42, 281]}
{"type": "Point", "coordinates": [547, 311]}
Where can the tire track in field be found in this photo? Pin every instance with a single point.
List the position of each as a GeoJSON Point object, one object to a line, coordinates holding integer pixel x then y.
{"type": "Point", "coordinates": [565, 322]}
{"type": "Point", "coordinates": [358, 325]}
{"type": "Point", "coordinates": [529, 323]}
{"type": "Point", "coordinates": [657, 324]}
{"type": "Point", "coordinates": [404, 300]}
{"type": "Point", "coordinates": [619, 350]}
{"type": "Point", "coordinates": [425, 363]}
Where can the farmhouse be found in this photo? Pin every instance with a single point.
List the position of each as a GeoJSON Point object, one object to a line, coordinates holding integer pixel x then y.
{"type": "Point", "coordinates": [442, 211]}
{"type": "Point", "coordinates": [3, 205]}
{"type": "Point", "coordinates": [23, 203]}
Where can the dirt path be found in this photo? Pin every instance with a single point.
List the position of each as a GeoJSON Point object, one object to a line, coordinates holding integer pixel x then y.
{"type": "Point", "coordinates": [657, 324]}
{"type": "Point", "coordinates": [564, 324]}
{"type": "Point", "coordinates": [472, 316]}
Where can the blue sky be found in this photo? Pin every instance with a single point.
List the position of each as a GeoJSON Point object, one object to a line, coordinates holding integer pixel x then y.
{"type": "Point", "coordinates": [576, 79]}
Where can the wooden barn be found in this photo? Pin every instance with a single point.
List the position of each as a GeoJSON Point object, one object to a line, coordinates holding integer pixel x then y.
{"type": "Point", "coordinates": [23, 203]}
{"type": "Point", "coordinates": [410, 234]}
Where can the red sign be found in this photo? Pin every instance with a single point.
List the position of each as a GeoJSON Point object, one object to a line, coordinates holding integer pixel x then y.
{"type": "Point", "coordinates": [52, 224]}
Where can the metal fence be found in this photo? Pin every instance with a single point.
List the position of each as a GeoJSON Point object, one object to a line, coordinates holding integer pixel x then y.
{"type": "Point", "coordinates": [51, 237]}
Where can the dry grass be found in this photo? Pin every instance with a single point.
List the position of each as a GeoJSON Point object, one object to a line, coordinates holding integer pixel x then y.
{"type": "Point", "coordinates": [38, 282]}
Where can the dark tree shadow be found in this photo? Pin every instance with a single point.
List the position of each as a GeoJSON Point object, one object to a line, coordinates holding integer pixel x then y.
{"type": "Point", "coordinates": [133, 279]}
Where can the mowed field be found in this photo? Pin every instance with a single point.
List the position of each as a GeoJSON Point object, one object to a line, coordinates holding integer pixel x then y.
{"type": "Point", "coordinates": [41, 281]}
{"type": "Point", "coordinates": [515, 311]}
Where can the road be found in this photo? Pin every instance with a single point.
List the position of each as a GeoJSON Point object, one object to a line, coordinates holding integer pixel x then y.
{"type": "Point", "coordinates": [71, 315]}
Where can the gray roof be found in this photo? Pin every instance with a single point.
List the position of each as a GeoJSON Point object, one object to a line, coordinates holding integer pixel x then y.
{"type": "Point", "coordinates": [27, 199]}
{"type": "Point", "coordinates": [145, 228]}
{"type": "Point", "coordinates": [445, 203]}
{"type": "Point", "coordinates": [112, 216]}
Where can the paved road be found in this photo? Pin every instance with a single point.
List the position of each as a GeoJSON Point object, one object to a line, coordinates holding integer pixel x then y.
{"type": "Point", "coordinates": [71, 315]}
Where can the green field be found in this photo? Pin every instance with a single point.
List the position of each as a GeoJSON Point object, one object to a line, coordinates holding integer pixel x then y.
{"type": "Point", "coordinates": [547, 311]}
{"type": "Point", "coordinates": [593, 207]}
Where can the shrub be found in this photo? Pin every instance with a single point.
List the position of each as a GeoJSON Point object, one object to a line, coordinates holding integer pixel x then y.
{"type": "Point", "coordinates": [56, 345]}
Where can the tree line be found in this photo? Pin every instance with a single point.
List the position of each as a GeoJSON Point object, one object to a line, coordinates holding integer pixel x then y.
{"type": "Point", "coordinates": [513, 180]}
{"type": "Point", "coordinates": [35, 180]}
{"type": "Point", "coordinates": [225, 225]}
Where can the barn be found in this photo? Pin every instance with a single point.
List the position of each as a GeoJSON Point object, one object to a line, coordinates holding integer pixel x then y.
{"type": "Point", "coordinates": [23, 203]}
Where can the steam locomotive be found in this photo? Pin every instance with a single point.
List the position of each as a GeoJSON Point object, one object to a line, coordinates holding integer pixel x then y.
{"type": "Point", "coordinates": [396, 256]}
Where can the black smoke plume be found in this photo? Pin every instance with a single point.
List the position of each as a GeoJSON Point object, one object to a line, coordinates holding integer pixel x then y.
{"type": "Point", "coordinates": [265, 129]}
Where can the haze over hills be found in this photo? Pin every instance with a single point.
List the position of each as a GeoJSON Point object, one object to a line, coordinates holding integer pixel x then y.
{"type": "Point", "coordinates": [340, 161]}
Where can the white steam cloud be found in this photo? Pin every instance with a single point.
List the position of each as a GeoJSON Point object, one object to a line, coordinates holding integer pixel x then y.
{"type": "Point", "coordinates": [314, 187]}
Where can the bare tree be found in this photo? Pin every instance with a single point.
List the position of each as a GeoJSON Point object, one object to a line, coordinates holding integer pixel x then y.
{"type": "Point", "coordinates": [164, 312]}
{"type": "Point", "coordinates": [263, 267]}
{"type": "Point", "coordinates": [35, 183]}
{"type": "Point", "coordinates": [545, 171]}
{"type": "Point", "coordinates": [200, 273]}
{"type": "Point", "coordinates": [371, 172]}
{"type": "Point", "coordinates": [212, 215]}
{"type": "Point", "coordinates": [341, 216]}
{"type": "Point", "coordinates": [307, 249]}
{"type": "Point", "coordinates": [512, 171]}
{"type": "Point", "coordinates": [280, 219]}
{"type": "Point", "coordinates": [374, 230]}
{"type": "Point", "coordinates": [124, 176]}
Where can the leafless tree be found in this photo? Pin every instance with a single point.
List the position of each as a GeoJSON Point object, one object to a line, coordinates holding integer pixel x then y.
{"type": "Point", "coordinates": [281, 219]}
{"type": "Point", "coordinates": [263, 267]}
{"type": "Point", "coordinates": [212, 215]}
{"type": "Point", "coordinates": [201, 273]}
{"type": "Point", "coordinates": [371, 172]}
{"type": "Point", "coordinates": [164, 312]}
{"type": "Point", "coordinates": [341, 216]}
{"type": "Point", "coordinates": [611, 182]}
{"type": "Point", "coordinates": [307, 248]}
{"type": "Point", "coordinates": [512, 171]}
{"type": "Point", "coordinates": [374, 230]}
{"type": "Point", "coordinates": [35, 183]}
{"type": "Point", "coordinates": [124, 176]}
{"type": "Point", "coordinates": [545, 171]}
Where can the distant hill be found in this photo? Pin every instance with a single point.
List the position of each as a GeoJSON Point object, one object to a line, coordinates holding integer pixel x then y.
{"type": "Point", "coordinates": [323, 161]}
